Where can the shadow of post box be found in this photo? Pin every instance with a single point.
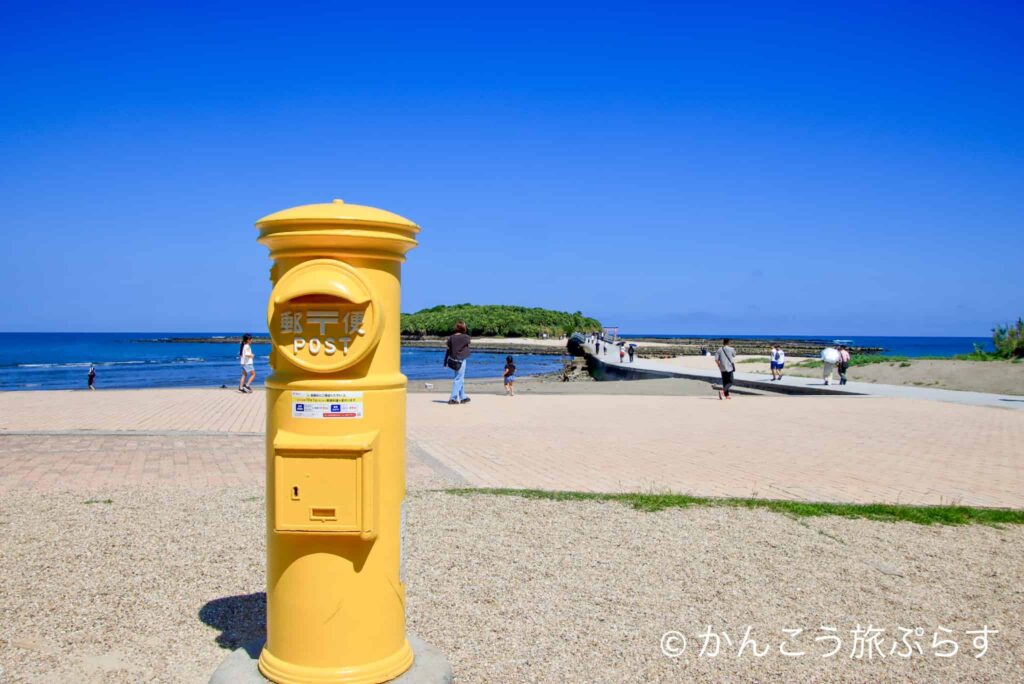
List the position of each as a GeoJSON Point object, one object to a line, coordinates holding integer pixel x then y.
{"type": "Point", "coordinates": [335, 445]}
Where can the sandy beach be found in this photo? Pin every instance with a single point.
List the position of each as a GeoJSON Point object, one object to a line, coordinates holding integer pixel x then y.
{"type": "Point", "coordinates": [996, 377]}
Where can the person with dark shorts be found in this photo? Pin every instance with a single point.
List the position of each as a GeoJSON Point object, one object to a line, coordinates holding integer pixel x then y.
{"type": "Point", "coordinates": [725, 357]}
{"type": "Point", "coordinates": [778, 362]}
{"type": "Point", "coordinates": [509, 376]}
{"type": "Point", "coordinates": [844, 363]}
{"type": "Point", "coordinates": [92, 377]}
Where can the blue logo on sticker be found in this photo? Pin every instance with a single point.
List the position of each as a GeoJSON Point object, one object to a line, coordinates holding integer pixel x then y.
{"type": "Point", "coordinates": [300, 407]}
{"type": "Point", "coordinates": [335, 408]}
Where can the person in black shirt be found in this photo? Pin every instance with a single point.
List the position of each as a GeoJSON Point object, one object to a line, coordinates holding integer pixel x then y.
{"type": "Point", "coordinates": [510, 376]}
{"type": "Point", "coordinates": [455, 357]}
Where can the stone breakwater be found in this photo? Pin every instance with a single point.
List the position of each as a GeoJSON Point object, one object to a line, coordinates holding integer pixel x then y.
{"type": "Point", "coordinates": [663, 348]}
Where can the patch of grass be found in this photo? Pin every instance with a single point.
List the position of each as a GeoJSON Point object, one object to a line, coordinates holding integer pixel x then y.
{"type": "Point", "coordinates": [755, 359]}
{"type": "Point", "coordinates": [868, 359]}
{"type": "Point", "coordinates": [920, 515]}
{"type": "Point", "coordinates": [978, 356]}
{"type": "Point", "coordinates": [98, 501]}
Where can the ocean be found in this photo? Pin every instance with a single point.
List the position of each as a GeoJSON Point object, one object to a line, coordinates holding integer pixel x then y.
{"type": "Point", "coordinates": [44, 361]}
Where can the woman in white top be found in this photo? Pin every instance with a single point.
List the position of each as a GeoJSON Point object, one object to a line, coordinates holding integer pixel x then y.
{"type": "Point", "coordinates": [248, 369]}
{"type": "Point", "coordinates": [829, 359]}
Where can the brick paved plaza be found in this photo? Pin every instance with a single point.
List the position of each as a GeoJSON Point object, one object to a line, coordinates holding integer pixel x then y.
{"type": "Point", "coordinates": [810, 448]}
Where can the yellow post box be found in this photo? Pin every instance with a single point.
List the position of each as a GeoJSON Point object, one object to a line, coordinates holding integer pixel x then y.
{"type": "Point", "coordinates": [335, 445]}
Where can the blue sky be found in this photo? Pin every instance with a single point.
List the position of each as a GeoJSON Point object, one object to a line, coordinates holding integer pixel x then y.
{"type": "Point", "coordinates": [717, 168]}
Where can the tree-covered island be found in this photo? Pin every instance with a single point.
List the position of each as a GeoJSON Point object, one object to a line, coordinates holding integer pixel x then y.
{"type": "Point", "coordinates": [495, 320]}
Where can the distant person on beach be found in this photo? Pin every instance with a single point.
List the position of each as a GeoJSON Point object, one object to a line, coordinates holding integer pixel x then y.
{"type": "Point", "coordinates": [778, 362]}
{"type": "Point", "coordinates": [622, 354]}
{"type": "Point", "coordinates": [247, 358]}
{"type": "Point", "coordinates": [92, 376]}
{"type": "Point", "coordinates": [829, 359]}
{"type": "Point", "coordinates": [456, 355]}
{"type": "Point", "coordinates": [632, 351]}
{"type": "Point", "coordinates": [725, 357]}
{"type": "Point", "coordinates": [844, 363]}
{"type": "Point", "coordinates": [509, 376]}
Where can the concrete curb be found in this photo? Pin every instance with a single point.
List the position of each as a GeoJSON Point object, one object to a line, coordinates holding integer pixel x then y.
{"type": "Point", "coordinates": [429, 667]}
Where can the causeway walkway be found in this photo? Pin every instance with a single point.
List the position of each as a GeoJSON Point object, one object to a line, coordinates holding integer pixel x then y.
{"type": "Point", "coordinates": [814, 448]}
{"type": "Point", "coordinates": [793, 384]}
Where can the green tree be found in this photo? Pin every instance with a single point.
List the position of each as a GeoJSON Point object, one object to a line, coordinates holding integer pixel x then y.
{"type": "Point", "coordinates": [1009, 340]}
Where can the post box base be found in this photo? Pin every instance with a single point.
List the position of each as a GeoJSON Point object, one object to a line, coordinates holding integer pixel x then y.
{"type": "Point", "coordinates": [428, 667]}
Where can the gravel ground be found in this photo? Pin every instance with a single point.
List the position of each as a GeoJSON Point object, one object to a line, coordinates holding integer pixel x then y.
{"type": "Point", "coordinates": [512, 590]}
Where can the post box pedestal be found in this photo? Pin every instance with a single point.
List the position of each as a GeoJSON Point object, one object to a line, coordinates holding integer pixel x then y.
{"type": "Point", "coordinates": [428, 667]}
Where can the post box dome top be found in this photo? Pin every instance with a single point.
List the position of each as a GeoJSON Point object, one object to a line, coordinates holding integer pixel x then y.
{"type": "Point", "coordinates": [337, 211]}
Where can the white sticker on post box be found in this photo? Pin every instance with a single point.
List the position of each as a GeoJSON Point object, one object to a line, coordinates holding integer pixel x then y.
{"type": "Point", "coordinates": [327, 405]}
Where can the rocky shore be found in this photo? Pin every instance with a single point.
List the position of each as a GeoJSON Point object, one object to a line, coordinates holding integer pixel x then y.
{"type": "Point", "coordinates": [647, 347]}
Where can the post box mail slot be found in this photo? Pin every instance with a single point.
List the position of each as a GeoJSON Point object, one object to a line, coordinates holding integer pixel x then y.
{"type": "Point", "coordinates": [326, 484]}
{"type": "Point", "coordinates": [323, 316]}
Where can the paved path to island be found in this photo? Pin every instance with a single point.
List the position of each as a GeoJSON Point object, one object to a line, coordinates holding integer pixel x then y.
{"type": "Point", "coordinates": [856, 449]}
{"type": "Point", "coordinates": [795, 383]}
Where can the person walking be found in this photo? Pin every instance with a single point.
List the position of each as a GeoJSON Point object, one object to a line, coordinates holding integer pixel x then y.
{"type": "Point", "coordinates": [92, 376]}
{"type": "Point", "coordinates": [247, 359]}
{"type": "Point", "coordinates": [509, 376]}
{"type": "Point", "coordinates": [829, 359]}
{"type": "Point", "coordinates": [778, 362]}
{"type": "Point", "coordinates": [725, 357]}
{"type": "Point", "coordinates": [456, 356]}
{"type": "Point", "coordinates": [844, 363]}
{"type": "Point", "coordinates": [622, 353]}
{"type": "Point", "coordinates": [632, 351]}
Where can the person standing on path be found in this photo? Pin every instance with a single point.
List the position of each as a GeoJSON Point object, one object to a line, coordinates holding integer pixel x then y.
{"type": "Point", "coordinates": [622, 353]}
{"type": "Point", "coordinates": [632, 351]}
{"type": "Point", "coordinates": [725, 357]}
{"type": "Point", "coordinates": [92, 376]}
{"type": "Point", "coordinates": [247, 359]}
{"type": "Point", "coordinates": [456, 356]}
{"type": "Point", "coordinates": [844, 363]}
{"type": "Point", "coordinates": [509, 376]}
{"type": "Point", "coordinates": [829, 359]}
{"type": "Point", "coordinates": [778, 362]}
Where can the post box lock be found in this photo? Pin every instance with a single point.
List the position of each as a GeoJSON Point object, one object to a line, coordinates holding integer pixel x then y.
{"type": "Point", "coordinates": [323, 316]}
{"type": "Point", "coordinates": [326, 484]}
